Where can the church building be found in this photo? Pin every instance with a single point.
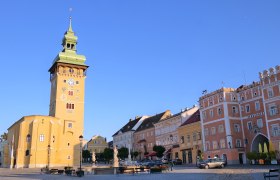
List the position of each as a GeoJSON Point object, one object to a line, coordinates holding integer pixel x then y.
{"type": "Point", "coordinates": [37, 141]}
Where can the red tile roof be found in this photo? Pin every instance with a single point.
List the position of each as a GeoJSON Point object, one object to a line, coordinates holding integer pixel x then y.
{"type": "Point", "coordinates": [194, 118]}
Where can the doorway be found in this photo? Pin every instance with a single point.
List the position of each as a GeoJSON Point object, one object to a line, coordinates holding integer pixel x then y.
{"type": "Point", "coordinates": [240, 158]}
{"type": "Point", "coordinates": [190, 157]}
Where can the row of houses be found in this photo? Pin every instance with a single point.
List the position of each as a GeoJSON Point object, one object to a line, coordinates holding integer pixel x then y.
{"type": "Point", "coordinates": [228, 123]}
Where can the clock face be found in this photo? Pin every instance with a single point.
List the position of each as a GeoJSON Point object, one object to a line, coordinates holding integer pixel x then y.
{"type": "Point", "coordinates": [71, 82]}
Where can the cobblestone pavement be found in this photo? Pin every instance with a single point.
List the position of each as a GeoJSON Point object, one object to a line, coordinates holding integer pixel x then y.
{"type": "Point", "coordinates": [245, 172]}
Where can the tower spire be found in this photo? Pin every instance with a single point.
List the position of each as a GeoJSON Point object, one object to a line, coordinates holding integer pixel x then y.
{"type": "Point", "coordinates": [70, 24]}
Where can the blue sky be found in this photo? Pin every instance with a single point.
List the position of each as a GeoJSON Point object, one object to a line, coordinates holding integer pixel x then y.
{"type": "Point", "coordinates": [145, 56]}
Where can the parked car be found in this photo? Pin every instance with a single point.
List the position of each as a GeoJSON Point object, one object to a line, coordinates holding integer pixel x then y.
{"type": "Point", "coordinates": [177, 161]}
{"type": "Point", "coordinates": [164, 161]}
{"type": "Point", "coordinates": [147, 162]}
{"type": "Point", "coordinates": [212, 163]}
{"type": "Point", "coordinates": [158, 162]}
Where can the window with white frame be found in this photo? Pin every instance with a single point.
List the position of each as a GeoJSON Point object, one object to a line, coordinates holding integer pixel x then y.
{"type": "Point", "coordinates": [270, 92]}
{"type": "Point", "coordinates": [207, 145]}
{"type": "Point", "coordinates": [234, 110]}
{"type": "Point", "coordinates": [194, 136]}
{"type": "Point", "coordinates": [250, 125]}
{"type": "Point", "coordinates": [275, 130]}
{"type": "Point", "coordinates": [204, 115]}
{"type": "Point", "coordinates": [257, 106]}
{"type": "Point", "coordinates": [199, 136]}
{"type": "Point", "coordinates": [259, 123]}
{"type": "Point", "coordinates": [221, 128]}
{"type": "Point", "coordinates": [238, 143]}
{"type": "Point", "coordinates": [206, 133]}
{"type": "Point", "coordinates": [188, 138]}
{"type": "Point", "coordinates": [211, 113]}
{"type": "Point", "coordinates": [236, 128]}
{"type": "Point", "coordinates": [219, 111]}
{"type": "Point", "coordinates": [215, 145]}
{"type": "Point", "coordinates": [41, 137]}
{"type": "Point", "coordinates": [247, 107]}
{"type": "Point", "coordinates": [222, 143]}
{"type": "Point", "coordinates": [272, 109]}
{"type": "Point", "coordinates": [69, 125]}
{"type": "Point", "coordinates": [213, 130]}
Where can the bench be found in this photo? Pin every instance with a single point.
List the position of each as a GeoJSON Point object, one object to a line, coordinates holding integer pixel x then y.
{"type": "Point", "coordinates": [271, 173]}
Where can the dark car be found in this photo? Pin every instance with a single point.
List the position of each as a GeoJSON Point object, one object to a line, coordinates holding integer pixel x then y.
{"type": "Point", "coordinates": [177, 161]}
{"type": "Point", "coordinates": [147, 162]}
{"type": "Point", "coordinates": [158, 162]}
{"type": "Point", "coordinates": [212, 163]}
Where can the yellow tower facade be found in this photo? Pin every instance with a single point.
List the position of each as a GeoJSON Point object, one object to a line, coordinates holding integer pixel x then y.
{"type": "Point", "coordinates": [39, 141]}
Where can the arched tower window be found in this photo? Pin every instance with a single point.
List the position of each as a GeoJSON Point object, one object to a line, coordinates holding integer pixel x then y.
{"type": "Point", "coordinates": [28, 138]}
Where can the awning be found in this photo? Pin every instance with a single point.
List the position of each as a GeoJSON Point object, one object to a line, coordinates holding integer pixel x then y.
{"type": "Point", "coordinates": [153, 153]}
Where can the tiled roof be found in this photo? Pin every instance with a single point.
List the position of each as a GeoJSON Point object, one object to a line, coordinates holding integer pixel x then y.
{"type": "Point", "coordinates": [149, 122]}
{"type": "Point", "coordinates": [128, 126]}
{"type": "Point", "coordinates": [194, 118]}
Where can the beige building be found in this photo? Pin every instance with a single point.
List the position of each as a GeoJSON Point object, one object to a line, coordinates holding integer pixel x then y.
{"type": "Point", "coordinates": [166, 133]}
{"type": "Point", "coordinates": [39, 141]}
{"type": "Point", "coordinates": [97, 144]}
{"type": "Point", "coordinates": [190, 139]}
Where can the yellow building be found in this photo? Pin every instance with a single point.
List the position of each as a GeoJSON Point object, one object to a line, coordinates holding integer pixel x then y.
{"type": "Point", "coordinates": [97, 144]}
{"type": "Point", "coordinates": [40, 141]}
{"type": "Point", "coordinates": [190, 139]}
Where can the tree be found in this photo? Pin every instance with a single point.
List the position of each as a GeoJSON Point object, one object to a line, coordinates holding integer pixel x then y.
{"type": "Point", "coordinates": [86, 155]}
{"type": "Point", "coordinates": [123, 153]}
{"type": "Point", "coordinates": [4, 136]}
{"type": "Point", "coordinates": [159, 150]}
{"type": "Point", "coordinates": [108, 154]}
{"type": "Point", "coordinates": [135, 154]}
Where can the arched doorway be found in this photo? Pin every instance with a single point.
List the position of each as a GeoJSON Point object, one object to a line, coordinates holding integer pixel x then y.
{"type": "Point", "coordinates": [259, 143]}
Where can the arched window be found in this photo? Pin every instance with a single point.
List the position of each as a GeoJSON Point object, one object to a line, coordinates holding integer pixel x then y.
{"type": "Point", "coordinates": [28, 138]}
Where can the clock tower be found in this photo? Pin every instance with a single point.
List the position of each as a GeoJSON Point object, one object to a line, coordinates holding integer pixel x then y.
{"type": "Point", "coordinates": [67, 77]}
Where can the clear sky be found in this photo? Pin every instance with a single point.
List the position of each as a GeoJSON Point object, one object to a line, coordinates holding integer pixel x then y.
{"type": "Point", "coordinates": [145, 56]}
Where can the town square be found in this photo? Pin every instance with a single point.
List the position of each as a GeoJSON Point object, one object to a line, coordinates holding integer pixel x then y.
{"type": "Point", "coordinates": [140, 90]}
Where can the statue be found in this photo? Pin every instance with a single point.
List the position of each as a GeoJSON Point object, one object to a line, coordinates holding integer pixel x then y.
{"type": "Point", "coordinates": [116, 159]}
{"type": "Point", "coordinates": [93, 158]}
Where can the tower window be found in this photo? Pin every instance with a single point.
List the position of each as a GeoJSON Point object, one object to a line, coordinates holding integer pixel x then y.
{"type": "Point", "coordinates": [70, 93]}
{"type": "Point", "coordinates": [77, 82]}
{"type": "Point", "coordinates": [69, 125]}
{"type": "Point", "coordinates": [41, 137]}
{"type": "Point", "coordinates": [70, 106]}
{"type": "Point", "coordinates": [72, 46]}
{"type": "Point", "coordinates": [71, 70]}
{"type": "Point", "coordinates": [28, 138]}
{"type": "Point", "coordinates": [27, 153]}
{"type": "Point", "coordinates": [68, 45]}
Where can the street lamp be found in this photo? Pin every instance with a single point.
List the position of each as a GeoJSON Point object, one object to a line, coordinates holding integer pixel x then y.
{"type": "Point", "coordinates": [81, 141]}
{"type": "Point", "coordinates": [49, 148]}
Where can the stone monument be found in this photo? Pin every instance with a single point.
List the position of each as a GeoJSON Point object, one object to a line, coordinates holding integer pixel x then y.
{"type": "Point", "coordinates": [93, 157]}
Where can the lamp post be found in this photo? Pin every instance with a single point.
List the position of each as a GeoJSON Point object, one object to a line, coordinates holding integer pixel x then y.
{"type": "Point", "coordinates": [81, 141]}
{"type": "Point", "coordinates": [49, 149]}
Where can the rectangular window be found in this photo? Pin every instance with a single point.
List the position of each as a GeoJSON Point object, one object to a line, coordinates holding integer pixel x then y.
{"type": "Point", "coordinates": [249, 125]}
{"type": "Point", "coordinates": [207, 146]}
{"type": "Point", "coordinates": [211, 113]}
{"type": "Point", "coordinates": [215, 145]}
{"type": "Point", "coordinates": [257, 105]}
{"type": "Point", "coordinates": [70, 106]}
{"type": "Point", "coordinates": [204, 115]}
{"type": "Point", "coordinates": [247, 107]}
{"type": "Point", "coordinates": [234, 110]}
{"type": "Point", "coordinates": [219, 111]}
{"type": "Point", "coordinates": [275, 130]}
{"type": "Point", "coordinates": [238, 143]}
{"type": "Point", "coordinates": [272, 110]}
{"type": "Point", "coordinates": [260, 123]}
{"type": "Point", "coordinates": [236, 128]}
{"type": "Point", "coordinates": [270, 92]}
{"type": "Point", "coordinates": [222, 144]}
{"type": "Point", "coordinates": [41, 137]}
{"type": "Point", "coordinates": [198, 136]}
{"type": "Point", "coordinates": [221, 128]}
{"type": "Point", "coordinates": [194, 136]}
{"type": "Point", "coordinates": [213, 130]}
{"type": "Point", "coordinates": [188, 138]}
{"type": "Point", "coordinates": [206, 133]}
{"type": "Point", "coordinates": [69, 125]}
{"type": "Point", "coordinates": [182, 140]}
